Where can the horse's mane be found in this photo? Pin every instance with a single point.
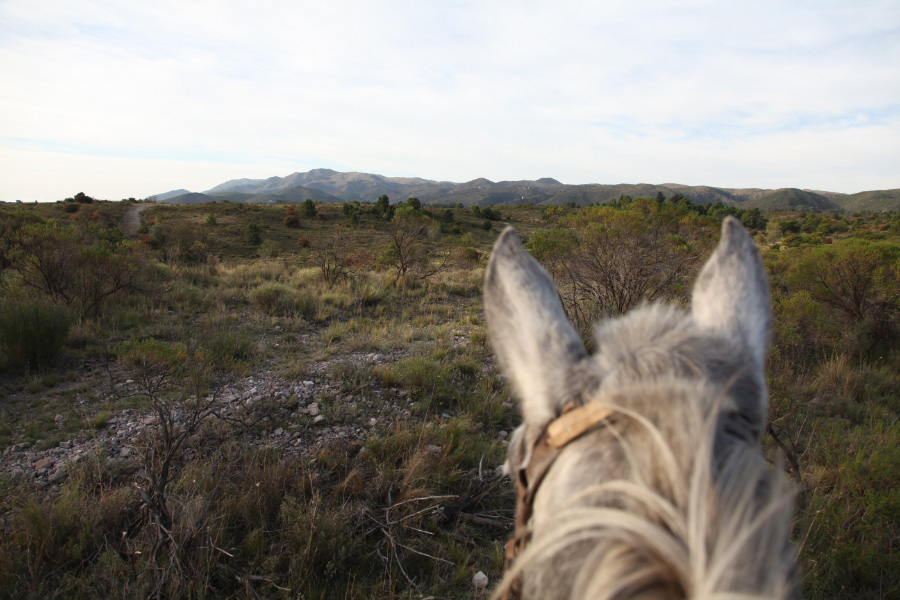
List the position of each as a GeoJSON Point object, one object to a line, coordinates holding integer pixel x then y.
{"type": "Point", "coordinates": [693, 511]}
{"type": "Point", "coordinates": [668, 495]}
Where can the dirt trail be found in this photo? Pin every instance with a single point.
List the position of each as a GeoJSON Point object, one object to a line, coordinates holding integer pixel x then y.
{"type": "Point", "coordinates": [131, 220]}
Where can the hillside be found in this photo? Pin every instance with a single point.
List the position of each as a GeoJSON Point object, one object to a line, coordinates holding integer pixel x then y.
{"type": "Point", "coordinates": [877, 200]}
{"type": "Point", "coordinates": [791, 199]}
{"type": "Point", "coordinates": [169, 195]}
{"type": "Point", "coordinates": [326, 185]}
{"type": "Point", "coordinates": [294, 194]}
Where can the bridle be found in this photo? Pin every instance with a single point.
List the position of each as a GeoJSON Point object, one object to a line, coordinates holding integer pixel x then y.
{"type": "Point", "coordinates": [570, 425]}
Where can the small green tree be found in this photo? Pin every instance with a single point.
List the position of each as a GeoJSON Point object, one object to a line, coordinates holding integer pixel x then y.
{"type": "Point", "coordinates": [252, 234]}
{"type": "Point", "coordinates": [308, 208]}
{"type": "Point", "coordinates": [414, 203]}
{"type": "Point", "coordinates": [383, 207]}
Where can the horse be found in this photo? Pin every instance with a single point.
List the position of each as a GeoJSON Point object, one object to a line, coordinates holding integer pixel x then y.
{"type": "Point", "coordinates": [638, 469]}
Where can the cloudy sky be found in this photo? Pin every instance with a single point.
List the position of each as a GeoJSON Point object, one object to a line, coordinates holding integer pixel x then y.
{"type": "Point", "coordinates": [118, 98]}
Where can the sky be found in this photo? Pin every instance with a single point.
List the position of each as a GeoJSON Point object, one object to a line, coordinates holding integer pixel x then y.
{"type": "Point", "coordinates": [127, 99]}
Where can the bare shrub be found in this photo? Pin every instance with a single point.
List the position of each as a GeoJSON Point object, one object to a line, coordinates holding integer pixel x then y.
{"type": "Point", "coordinates": [183, 388]}
{"type": "Point", "coordinates": [73, 267]}
{"type": "Point", "coordinates": [610, 259]}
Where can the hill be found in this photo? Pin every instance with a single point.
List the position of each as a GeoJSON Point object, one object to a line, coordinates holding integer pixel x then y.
{"type": "Point", "coordinates": [327, 185]}
{"type": "Point", "coordinates": [169, 195]}
{"type": "Point", "coordinates": [877, 200]}
{"type": "Point", "coordinates": [294, 194]}
{"type": "Point", "coordinates": [791, 199]}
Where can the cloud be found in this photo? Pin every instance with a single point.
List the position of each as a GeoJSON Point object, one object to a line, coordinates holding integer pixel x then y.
{"type": "Point", "coordinates": [584, 91]}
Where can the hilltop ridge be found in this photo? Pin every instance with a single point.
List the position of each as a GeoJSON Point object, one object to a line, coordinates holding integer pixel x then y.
{"type": "Point", "coordinates": [328, 185]}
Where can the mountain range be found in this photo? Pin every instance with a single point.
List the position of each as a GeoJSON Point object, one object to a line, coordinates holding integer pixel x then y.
{"type": "Point", "coordinates": [326, 185]}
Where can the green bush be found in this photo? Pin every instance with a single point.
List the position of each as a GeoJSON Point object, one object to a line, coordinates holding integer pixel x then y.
{"type": "Point", "coordinates": [427, 379]}
{"type": "Point", "coordinates": [224, 345]}
{"type": "Point", "coordinates": [273, 298]}
{"type": "Point", "coordinates": [32, 332]}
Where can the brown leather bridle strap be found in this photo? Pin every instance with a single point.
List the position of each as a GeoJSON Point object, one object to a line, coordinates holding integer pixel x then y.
{"type": "Point", "coordinates": [569, 426]}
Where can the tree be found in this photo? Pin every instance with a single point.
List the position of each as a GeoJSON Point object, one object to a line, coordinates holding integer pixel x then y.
{"type": "Point", "coordinates": [405, 251]}
{"type": "Point", "coordinates": [383, 207]}
{"type": "Point", "coordinates": [414, 203]}
{"type": "Point", "coordinates": [308, 208]}
{"type": "Point", "coordinates": [857, 279]}
{"type": "Point", "coordinates": [252, 234]}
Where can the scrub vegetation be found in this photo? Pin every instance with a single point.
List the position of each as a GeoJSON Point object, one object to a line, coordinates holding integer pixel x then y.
{"type": "Point", "coordinates": [300, 400]}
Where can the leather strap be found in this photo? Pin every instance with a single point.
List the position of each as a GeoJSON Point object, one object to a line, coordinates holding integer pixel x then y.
{"type": "Point", "coordinates": [569, 426]}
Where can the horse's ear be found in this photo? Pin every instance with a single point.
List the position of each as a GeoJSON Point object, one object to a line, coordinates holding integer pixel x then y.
{"type": "Point", "coordinates": [531, 336]}
{"type": "Point", "coordinates": [731, 295]}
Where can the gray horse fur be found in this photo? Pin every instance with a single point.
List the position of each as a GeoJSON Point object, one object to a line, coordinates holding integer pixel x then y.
{"type": "Point", "coordinates": [672, 498]}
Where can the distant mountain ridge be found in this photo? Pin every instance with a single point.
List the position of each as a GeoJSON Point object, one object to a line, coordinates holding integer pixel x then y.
{"type": "Point", "coordinates": [327, 185]}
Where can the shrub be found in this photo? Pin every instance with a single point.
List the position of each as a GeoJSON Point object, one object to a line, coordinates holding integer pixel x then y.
{"type": "Point", "coordinates": [224, 345]}
{"type": "Point", "coordinates": [269, 249]}
{"type": "Point", "coordinates": [303, 242]}
{"type": "Point", "coordinates": [75, 266]}
{"type": "Point", "coordinates": [424, 377]}
{"type": "Point", "coordinates": [32, 332]}
{"type": "Point", "coordinates": [252, 234]}
{"type": "Point", "coordinates": [290, 218]}
{"type": "Point", "coordinates": [273, 298]}
{"type": "Point", "coordinates": [308, 208]}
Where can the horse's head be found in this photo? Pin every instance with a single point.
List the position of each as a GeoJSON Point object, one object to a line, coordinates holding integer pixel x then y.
{"type": "Point", "coordinates": [639, 468]}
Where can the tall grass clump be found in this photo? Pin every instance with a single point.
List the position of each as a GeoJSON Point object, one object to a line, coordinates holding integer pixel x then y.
{"type": "Point", "coordinates": [427, 380]}
{"type": "Point", "coordinates": [273, 298]}
{"type": "Point", "coordinates": [32, 332]}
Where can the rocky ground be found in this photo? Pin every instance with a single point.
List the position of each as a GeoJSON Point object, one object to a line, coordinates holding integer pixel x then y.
{"type": "Point", "coordinates": [299, 418]}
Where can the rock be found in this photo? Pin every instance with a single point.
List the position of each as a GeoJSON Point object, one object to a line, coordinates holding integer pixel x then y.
{"type": "Point", "coordinates": [372, 422]}
{"type": "Point", "coordinates": [502, 435]}
{"type": "Point", "coordinates": [480, 580]}
{"type": "Point", "coordinates": [278, 432]}
{"type": "Point", "coordinates": [66, 445]}
{"type": "Point", "coordinates": [318, 419]}
{"type": "Point", "coordinates": [313, 409]}
{"type": "Point", "coordinates": [57, 477]}
{"type": "Point", "coordinates": [42, 464]}
{"type": "Point", "coordinates": [308, 383]}
{"type": "Point", "coordinates": [125, 452]}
